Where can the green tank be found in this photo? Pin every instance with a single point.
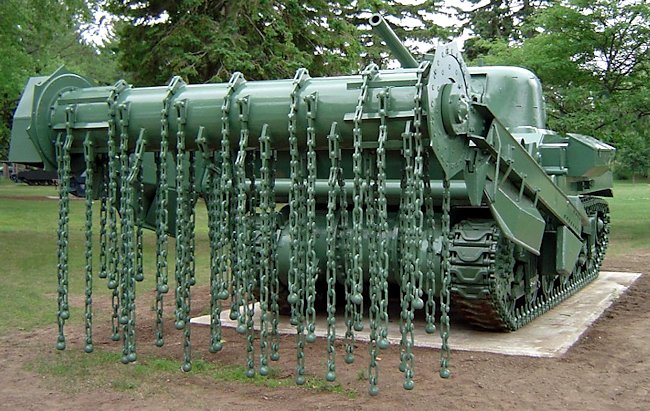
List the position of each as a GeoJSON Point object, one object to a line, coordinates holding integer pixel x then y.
{"type": "Point", "coordinates": [434, 187]}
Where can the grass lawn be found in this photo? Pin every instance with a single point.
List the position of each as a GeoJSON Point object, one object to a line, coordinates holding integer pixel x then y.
{"type": "Point", "coordinates": [630, 216]}
{"type": "Point", "coordinates": [28, 247]}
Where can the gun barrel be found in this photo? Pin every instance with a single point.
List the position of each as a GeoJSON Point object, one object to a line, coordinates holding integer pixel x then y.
{"type": "Point", "coordinates": [383, 29]}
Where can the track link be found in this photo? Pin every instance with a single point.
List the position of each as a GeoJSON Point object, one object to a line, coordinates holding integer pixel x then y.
{"type": "Point", "coordinates": [479, 255]}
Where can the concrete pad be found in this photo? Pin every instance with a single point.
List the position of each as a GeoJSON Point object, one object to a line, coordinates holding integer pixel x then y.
{"type": "Point", "coordinates": [550, 335]}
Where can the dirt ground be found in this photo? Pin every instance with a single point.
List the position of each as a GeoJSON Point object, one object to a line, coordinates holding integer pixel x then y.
{"type": "Point", "coordinates": [609, 368]}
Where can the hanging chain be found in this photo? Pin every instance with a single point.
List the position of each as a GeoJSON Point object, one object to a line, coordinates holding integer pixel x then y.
{"type": "Point", "coordinates": [63, 144]}
{"type": "Point", "coordinates": [267, 232]}
{"type": "Point", "coordinates": [411, 220]}
{"type": "Point", "coordinates": [89, 155]}
{"type": "Point", "coordinates": [139, 223]}
{"type": "Point", "coordinates": [127, 212]}
{"type": "Point", "coordinates": [370, 159]}
{"type": "Point", "coordinates": [212, 198]}
{"type": "Point", "coordinates": [244, 255]}
{"type": "Point", "coordinates": [296, 229]}
{"type": "Point", "coordinates": [312, 264]}
{"type": "Point", "coordinates": [382, 223]}
{"type": "Point", "coordinates": [135, 184]}
{"type": "Point", "coordinates": [162, 213]}
{"type": "Point", "coordinates": [241, 230]}
{"type": "Point", "coordinates": [378, 257]}
{"type": "Point", "coordinates": [190, 261]}
{"type": "Point", "coordinates": [103, 219]}
{"type": "Point", "coordinates": [446, 281]}
{"type": "Point", "coordinates": [181, 222]}
{"type": "Point", "coordinates": [114, 165]}
{"type": "Point", "coordinates": [184, 217]}
{"type": "Point", "coordinates": [251, 272]}
{"type": "Point", "coordinates": [418, 186]}
{"type": "Point", "coordinates": [274, 281]}
{"type": "Point", "coordinates": [331, 274]}
{"type": "Point", "coordinates": [356, 281]}
{"type": "Point", "coordinates": [430, 307]}
{"type": "Point", "coordinates": [224, 223]}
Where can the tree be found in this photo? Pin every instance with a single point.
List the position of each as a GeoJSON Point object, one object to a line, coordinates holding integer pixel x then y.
{"type": "Point", "coordinates": [37, 36]}
{"type": "Point", "coordinates": [633, 157]}
{"type": "Point", "coordinates": [593, 57]}
{"type": "Point", "coordinates": [206, 40]}
{"type": "Point", "coordinates": [496, 20]}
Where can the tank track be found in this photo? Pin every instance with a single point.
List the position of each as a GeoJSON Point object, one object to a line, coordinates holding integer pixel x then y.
{"type": "Point", "coordinates": [479, 253]}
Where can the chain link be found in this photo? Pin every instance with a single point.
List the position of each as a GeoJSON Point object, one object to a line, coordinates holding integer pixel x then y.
{"type": "Point", "coordinates": [89, 155]}
{"type": "Point", "coordinates": [184, 230]}
{"type": "Point", "coordinates": [226, 222]}
{"type": "Point", "coordinates": [297, 228]}
{"type": "Point", "coordinates": [382, 224]}
{"type": "Point", "coordinates": [446, 281]}
{"type": "Point", "coordinates": [162, 214]}
{"type": "Point", "coordinates": [333, 192]}
{"type": "Point", "coordinates": [411, 220]}
{"type": "Point", "coordinates": [356, 282]}
{"type": "Point", "coordinates": [127, 276]}
{"type": "Point", "coordinates": [376, 218]}
{"type": "Point", "coordinates": [267, 232]}
{"type": "Point", "coordinates": [103, 217]}
{"type": "Point", "coordinates": [274, 281]}
{"type": "Point", "coordinates": [63, 144]}
{"type": "Point", "coordinates": [244, 261]}
{"type": "Point", "coordinates": [310, 236]}
{"type": "Point", "coordinates": [407, 270]}
{"type": "Point", "coordinates": [430, 277]}
{"type": "Point", "coordinates": [114, 168]}
{"type": "Point", "coordinates": [418, 186]}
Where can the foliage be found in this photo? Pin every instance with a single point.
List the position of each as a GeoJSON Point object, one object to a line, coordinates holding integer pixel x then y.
{"type": "Point", "coordinates": [634, 158]}
{"type": "Point", "coordinates": [206, 40]}
{"type": "Point", "coordinates": [37, 36]}
{"type": "Point", "coordinates": [593, 57]}
{"type": "Point", "coordinates": [505, 20]}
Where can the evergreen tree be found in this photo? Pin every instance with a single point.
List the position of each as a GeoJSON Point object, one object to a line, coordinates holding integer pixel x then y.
{"type": "Point", "coordinates": [207, 40]}
{"type": "Point", "coordinates": [505, 20]}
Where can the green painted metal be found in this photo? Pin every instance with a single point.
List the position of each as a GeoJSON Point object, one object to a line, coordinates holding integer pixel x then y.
{"type": "Point", "coordinates": [22, 150]}
{"type": "Point", "coordinates": [401, 53]}
{"type": "Point", "coordinates": [435, 180]}
{"type": "Point", "coordinates": [568, 248]}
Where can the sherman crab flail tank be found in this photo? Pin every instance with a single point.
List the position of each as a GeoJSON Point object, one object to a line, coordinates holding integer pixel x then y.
{"type": "Point", "coordinates": [435, 181]}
